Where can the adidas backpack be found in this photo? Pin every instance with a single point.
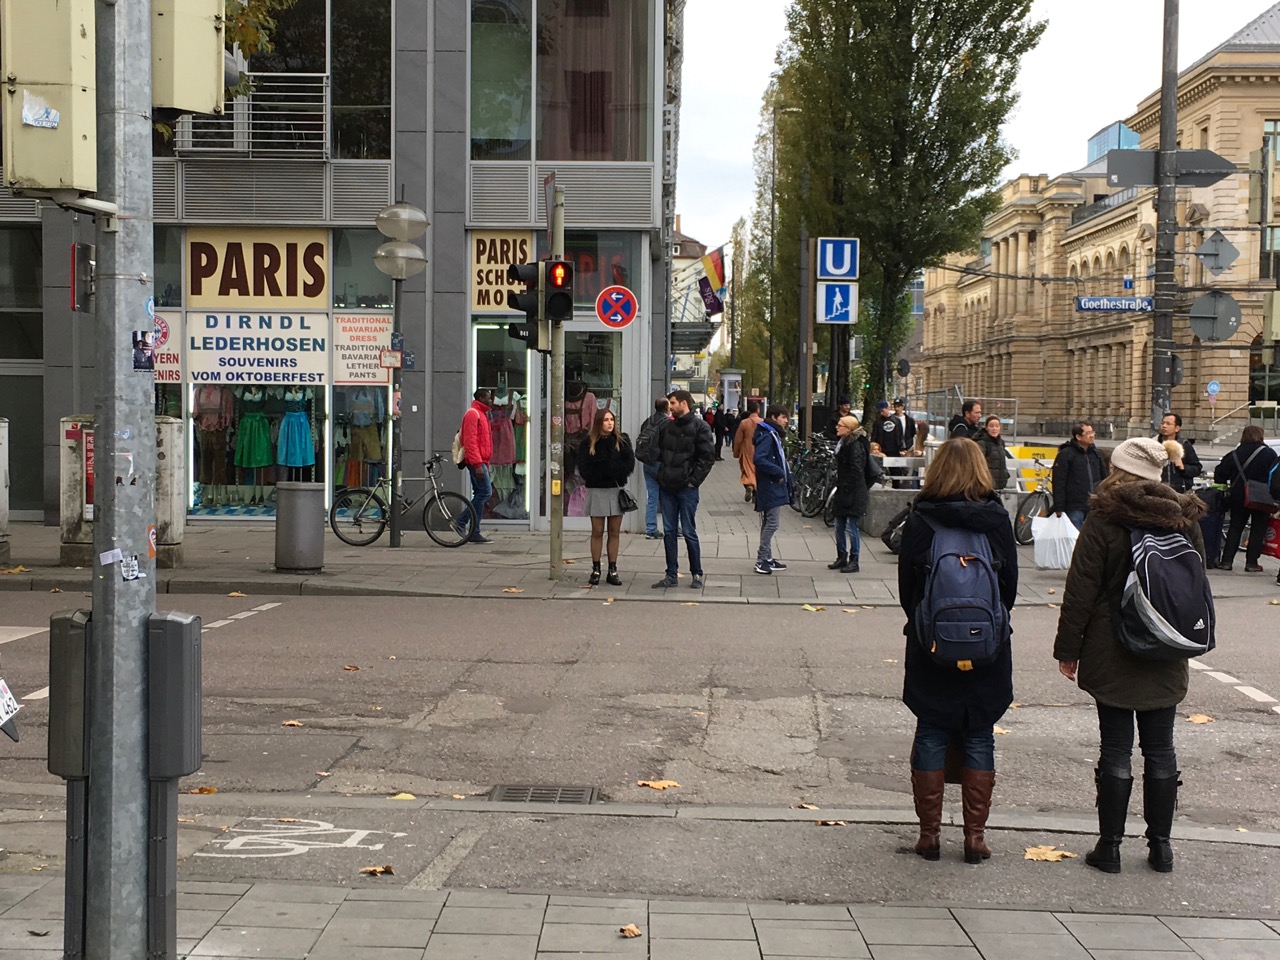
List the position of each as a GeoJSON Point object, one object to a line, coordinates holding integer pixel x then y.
{"type": "Point", "coordinates": [1166, 611]}
{"type": "Point", "coordinates": [961, 621]}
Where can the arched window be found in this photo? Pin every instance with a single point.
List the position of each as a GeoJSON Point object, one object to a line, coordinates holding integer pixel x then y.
{"type": "Point", "coordinates": [1264, 372]}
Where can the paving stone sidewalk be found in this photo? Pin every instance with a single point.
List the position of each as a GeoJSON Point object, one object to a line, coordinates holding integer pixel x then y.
{"type": "Point", "coordinates": [222, 556]}
{"type": "Point", "coordinates": [274, 921]}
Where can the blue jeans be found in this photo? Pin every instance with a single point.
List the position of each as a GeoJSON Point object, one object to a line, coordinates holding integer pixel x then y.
{"type": "Point", "coordinates": [678, 510]}
{"type": "Point", "coordinates": [929, 750]}
{"type": "Point", "coordinates": [769, 521]}
{"type": "Point", "coordinates": [1077, 517]}
{"type": "Point", "coordinates": [481, 491]}
{"type": "Point", "coordinates": [650, 497]}
{"type": "Point", "coordinates": [847, 534]}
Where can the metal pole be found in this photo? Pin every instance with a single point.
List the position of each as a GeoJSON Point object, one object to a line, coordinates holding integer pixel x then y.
{"type": "Point", "coordinates": [393, 420]}
{"type": "Point", "coordinates": [773, 244]}
{"type": "Point", "coordinates": [123, 575]}
{"type": "Point", "coordinates": [733, 309]}
{"type": "Point", "coordinates": [556, 500]}
{"type": "Point", "coordinates": [1166, 223]}
{"type": "Point", "coordinates": [804, 362]}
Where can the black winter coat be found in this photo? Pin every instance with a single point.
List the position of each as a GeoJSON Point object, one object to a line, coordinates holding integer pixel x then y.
{"type": "Point", "coordinates": [1076, 474]}
{"type": "Point", "coordinates": [851, 475]}
{"type": "Point", "coordinates": [1100, 566]}
{"type": "Point", "coordinates": [1180, 480]}
{"type": "Point", "coordinates": [945, 696]}
{"type": "Point", "coordinates": [1228, 472]}
{"type": "Point", "coordinates": [959, 427]}
{"type": "Point", "coordinates": [993, 449]}
{"type": "Point", "coordinates": [610, 465]}
{"type": "Point", "coordinates": [688, 452]}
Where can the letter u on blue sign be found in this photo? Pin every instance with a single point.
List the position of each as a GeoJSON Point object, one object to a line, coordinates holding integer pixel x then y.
{"type": "Point", "coordinates": [837, 258]}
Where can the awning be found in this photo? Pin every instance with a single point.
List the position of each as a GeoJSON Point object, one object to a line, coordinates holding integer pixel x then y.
{"type": "Point", "coordinates": [692, 337]}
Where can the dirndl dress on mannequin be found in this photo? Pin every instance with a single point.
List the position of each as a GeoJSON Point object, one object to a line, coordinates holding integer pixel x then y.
{"type": "Point", "coordinates": [253, 432]}
{"type": "Point", "coordinates": [294, 447]}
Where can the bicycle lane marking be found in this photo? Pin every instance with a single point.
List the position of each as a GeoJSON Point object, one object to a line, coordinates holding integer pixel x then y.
{"type": "Point", "coordinates": [260, 837]}
{"type": "Point", "coordinates": [1253, 693]}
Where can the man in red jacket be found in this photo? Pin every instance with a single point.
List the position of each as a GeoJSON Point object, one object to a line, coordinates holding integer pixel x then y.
{"type": "Point", "coordinates": [477, 444]}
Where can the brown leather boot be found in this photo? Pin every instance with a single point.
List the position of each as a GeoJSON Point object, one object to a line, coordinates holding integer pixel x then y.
{"type": "Point", "coordinates": [926, 788]}
{"type": "Point", "coordinates": [975, 796]}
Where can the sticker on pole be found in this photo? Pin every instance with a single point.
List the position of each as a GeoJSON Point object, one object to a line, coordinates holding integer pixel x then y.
{"type": "Point", "coordinates": [617, 307]}
{"type": "Point", "coordinates": [9, 705]}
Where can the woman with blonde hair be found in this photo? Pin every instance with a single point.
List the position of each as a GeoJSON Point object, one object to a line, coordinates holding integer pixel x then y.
{"type": "Point", "coordinates": [955, 699]}
{"type": "Point", "coordinates": [853, 456]}
{"type": "Point", "coordinates": [1088, 652]}
{"type": "Point", "coordinates": [605, 461]}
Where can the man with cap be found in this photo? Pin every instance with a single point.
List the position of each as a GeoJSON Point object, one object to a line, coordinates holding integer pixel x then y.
{"type": "Point", "coordinates": [843, 406]}
{"type": "Point", "coordinates": [894, 433]}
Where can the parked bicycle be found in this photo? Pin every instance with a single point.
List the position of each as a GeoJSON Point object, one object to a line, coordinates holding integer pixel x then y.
{"type": "Point", "coordinates": [814, 470]}
{"type": "Point", "coordinates": [359, 515]}
{"type": "Point", "coordinates": [1037, 503]}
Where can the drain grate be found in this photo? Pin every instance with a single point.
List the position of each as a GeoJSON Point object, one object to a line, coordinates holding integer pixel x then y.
{"type": "Point", "coordinates": [535, 793]}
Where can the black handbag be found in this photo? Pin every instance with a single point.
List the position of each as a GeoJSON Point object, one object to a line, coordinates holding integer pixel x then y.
{"type": "Point", "coordinates": [626, 502]}
{"type": "Point", "coordinates": [1257, 493]}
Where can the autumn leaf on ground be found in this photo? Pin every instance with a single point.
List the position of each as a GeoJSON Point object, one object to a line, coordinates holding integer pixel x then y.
{"type": "Point", "coordinates": [203, 790]}
{"type": "Point", "coordinates": [890, 660]}
{"type": "Point", "coordinates": [657, 784]}
{"type": "Point", "coordinates": [608, 600]}
{"type": "Point", "coordinates": [512, 590]}
{"type": "Point", "coordinates": [630, 931]}
{"type": "Point", "coordinates": [403, 796]}
{"type": "Point", "coordinates": [186, 820]}
{"type": "Point", "coordinates": [459, 796]}
{"type": "Point", "coordinates": [38, 933]}
{"type": "Point", "coordinates": [323, 773]}
{"type": "Point", "coordinates": [699, 713]}
{"type": "Point", "coordinates": [17, 569]}
{"type": "Point", "coordinates": [1052, 606]}
{"type": "Point", "coordinates": [1051, 591]}
{"type": "Point", "coordinates": [1199, 718]}
{"type": "Point", "coordinates": [831, 823]}
{"type": "Point", "coordinates": [56, 590]}
{"type": "Point", "coordinates": [812, 609]}
{"type": "Point", "coordinates": [804, 806]}
{"type": "Point", "coordinates": [236, 593]}
{"type": "Point", "coordinates": [568, 562]}
{"type": "Point", "coordinates": [867, 606]}
{"type": "Point", "coordinates": [1047, 854]}
{"type": "Point", "coordinates": [292, 723]}
{"type": "Point", "coordinates": [999, 730]}
{"type": "Point", "coordinates": [1274, 602]}
{"type": "Point", "coordinates": [350, 666]}
{"type": "Point", "coordinates": [689, 603]}
{"type": "Point", "coordinates": [1241, 830]}
{"type": "Point", "coordinates": [378, 871]}
{"type": "Point", "coordinates": [1014, 706]}
{"type": "Point", "coordinates": [847, 610]}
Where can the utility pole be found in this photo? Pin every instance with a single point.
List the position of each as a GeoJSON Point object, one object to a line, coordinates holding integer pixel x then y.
{"type": "Point", "coordinates": [555, 503]}
{"type": "Point", "coordinates": [123, 573]}
{"type": "Point", "coordinates": [1166, 223]}
{"type": "Point", "coordinates": [805, 358]}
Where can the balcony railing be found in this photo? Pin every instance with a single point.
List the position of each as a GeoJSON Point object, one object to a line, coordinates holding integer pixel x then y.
{"type": "Point", "coordinates": [285, 115]}
{"type": "Point", "coordinates": [1080, 214]}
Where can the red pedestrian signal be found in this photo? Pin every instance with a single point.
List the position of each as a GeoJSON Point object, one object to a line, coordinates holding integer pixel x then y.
{"type": "Point", "coordinates": [558, 291]}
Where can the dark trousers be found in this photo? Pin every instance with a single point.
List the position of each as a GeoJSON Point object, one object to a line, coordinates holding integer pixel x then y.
{"type": "Point", "coordinates": [1155, 739]}
{"type": "Point", "coordinates": [679, 510]}
{"type": "Point", "coordinates": [929, 749]}
{"type": "Point", "coordinates": [1257, 520]}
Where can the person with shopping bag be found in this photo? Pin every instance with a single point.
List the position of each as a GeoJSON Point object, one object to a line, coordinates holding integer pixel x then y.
{"type": "Point", "coordinates": [1055, 541]}
{"type": "Point", "coordinates": [1247, 469]}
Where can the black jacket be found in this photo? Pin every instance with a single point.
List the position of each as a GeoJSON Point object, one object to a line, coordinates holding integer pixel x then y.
{"type": "Point", "coordinates": [993, 449]}
{"type": "Point", "coordinates": [1228, 472]}
{"type": "Point", "coordinates": [610, 465]}
{"type": "Point", "coordinates": [688, 452]}
{"type": "Point", "coordinates": [851, 476]}
{"type": "Point", "coordinates": [945, 696]}
{"type": "Point", "coordinates": [1180, 480]}
{"type": "Point", "coordinates": [893, 440]}
{"type": "Point", "coordinates": [1076, 474]}
{"type": "Point", "coordinates": [959, 427]}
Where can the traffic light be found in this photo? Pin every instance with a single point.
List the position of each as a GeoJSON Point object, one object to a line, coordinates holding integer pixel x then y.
{"type": "Point", "coordinates": [535, 332]}
{"type": "Point", "coordinates": [557, 291]}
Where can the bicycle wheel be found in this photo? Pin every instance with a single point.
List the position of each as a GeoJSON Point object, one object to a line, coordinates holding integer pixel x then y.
{"type": "Point", "coordinates": [358, 516]}
{"type": "Point", "coordinates": [815, 494]}
{"type": "Point", "coordinates": [1034, 504]}
{"type": "Point", "coordinates": [449, 519]}
{"type": "Point", "coordinates": [829, 509]}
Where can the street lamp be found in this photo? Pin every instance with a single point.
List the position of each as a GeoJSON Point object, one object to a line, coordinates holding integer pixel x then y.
{"type": "Point", "coordinates": [399, 258]}
{"type": "Point", "coordinates": [773, 216]}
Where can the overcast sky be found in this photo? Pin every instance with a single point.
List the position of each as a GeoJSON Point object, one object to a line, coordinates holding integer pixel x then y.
{"type": "Point", "coordinates": [1096, 60]}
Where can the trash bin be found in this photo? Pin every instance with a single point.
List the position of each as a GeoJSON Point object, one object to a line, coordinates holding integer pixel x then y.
{"type": "Point", "coordinates": [299, 527]}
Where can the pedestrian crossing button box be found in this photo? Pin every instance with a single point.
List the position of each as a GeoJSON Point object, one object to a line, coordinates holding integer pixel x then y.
{"type": "Point", "coordinates": [173, 695]}
{"type": "Point", "coordinates": [70, 632]}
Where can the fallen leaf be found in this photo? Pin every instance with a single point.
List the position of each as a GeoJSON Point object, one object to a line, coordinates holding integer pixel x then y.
{"type": "Point", "coordinates": [56, 590]}
{"type": "Point", "coordinates": [699, 713]}
{"type": "Point", "coordinates": [350, 666]}
{"type": "Point", "coordinates": [608, 600]}
{"type": "Point", "coordinates": [37, 869]}
{"type": "Point", "coordinates": [630, 931]}
{"type": "Point", "coordinates": [1014, 706]}
{"type": "Point", "coordinates": [323, 773]}
{"type": "Point", "coordinates": [867, 606]}
{"type": "Point", "coordinates": [390, 658]}
{"type": "Point", "coordinates": [512, 590]}
{"type": "Point", "coordinates": [568, 562]}
{"type": "Point", "coordinates": [185, 820]}
{"type": "Point", "coordinates": [1047, 854]}
{"type": "Point", "coordinates": [1052, 606]}
{"type": "Point", "coordinates": [847, 610]}
{"type": "Point", "coordinates": [1199, 718]}
{"type": "Point", "coordinates": [459, 796]}
{"type": "Point", "coordinates": [203, 790]}
{"type": "Point", "coordinates": [890, 660]}
{"type": "Point", "coordinates": [1051, 591]}
{"type": "Point", "coordinates": [1274, 602]}
{"type": "Point", "coordinates": [403, 796]}
{"type": "Point", "coordinates": [804, 806]}
{"type": "Point", "coordinates": [378, 871]}
{"type": "Point", "coordinates": [292, 723]}
{"type": "Point", "coordinates": [38, 933]}
{"type": "Point", "coordinates": [812, 609]}
{"type": "Point", "coordinates": [286, 820]}
{"type": "Point", "coordinates": [808, 526]}
{"type": "Point", "coordinates": [657, 784]}
{"type": "Point", "coordinates": [831, 823]}
{"type": "Point", "coordinates": [1241, 830]}
{"type": "Point", "coordinates": [999, 730]}
{"type": "Point", "coordinates": [689, 603]}
{"type": "Point", "coordinates": [236, 593]}
{"type": "Point", "coordinates": [17, 569]}
{"type": "Point", "coordinates": [224, 551]}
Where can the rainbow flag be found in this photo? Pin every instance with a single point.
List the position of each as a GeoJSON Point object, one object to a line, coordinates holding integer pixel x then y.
{"type": "Point", "coordinates": [713, 263]}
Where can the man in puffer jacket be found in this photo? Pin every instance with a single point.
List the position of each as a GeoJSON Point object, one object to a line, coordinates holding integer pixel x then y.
{"type": "Point", "coordinates": [687, 454]}
{"type": "Point", "coordinates": [1077, 471]}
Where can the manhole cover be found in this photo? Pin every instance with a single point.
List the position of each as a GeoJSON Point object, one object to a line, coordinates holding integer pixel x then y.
{"type": "Point", "coordinates": [533, 793]}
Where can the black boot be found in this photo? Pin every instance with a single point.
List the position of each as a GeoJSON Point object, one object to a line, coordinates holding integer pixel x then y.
{"type": "Point", "coordinates": [851, 566]}
{"type": "Point", "coordinates": [613, 579]}
{"type": "Point", "coordinates": [594, 579]}
{"type": "Point", "coordinates": [1159, 797]}
{"type": "Point", "coordinates": [1113, 807]}
{"type": "Point", "coordinates": [841, 560]}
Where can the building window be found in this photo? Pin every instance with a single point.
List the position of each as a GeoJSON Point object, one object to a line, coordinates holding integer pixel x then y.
{"type": "Point", "coordinates": [501, 79]}
{"type": "Point", "coordinates": [600, 260]}
{"type": "Point", "coordinates": [360, 80]}
{"type": "Point", "coordinates": [357, 283]}
{"type": "Point", "coordinates": [168, 257]}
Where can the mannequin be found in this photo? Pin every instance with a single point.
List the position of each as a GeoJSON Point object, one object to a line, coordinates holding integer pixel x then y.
{"type": "Point", "coordinates": [366, 412]}
{"type": "Point", "coordinates": [253, 440]}
{"type": "Point", "coordinates": [295, 448]}
{"type": "Point", "coordinates": [212, 411]}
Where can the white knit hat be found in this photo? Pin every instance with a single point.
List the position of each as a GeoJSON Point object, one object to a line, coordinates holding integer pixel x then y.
{"type": "Point", "coordinates": [1144, 457]}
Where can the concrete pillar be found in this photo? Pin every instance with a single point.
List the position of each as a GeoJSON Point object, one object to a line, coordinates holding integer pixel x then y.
{"type": "Point", "coordinates": [997, 267]}
{"type": "Point", "coordinates": [1024, 268]}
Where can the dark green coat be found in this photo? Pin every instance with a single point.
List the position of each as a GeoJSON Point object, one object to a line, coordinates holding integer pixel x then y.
{"type": "Point", "coordinates": [1095, 583]}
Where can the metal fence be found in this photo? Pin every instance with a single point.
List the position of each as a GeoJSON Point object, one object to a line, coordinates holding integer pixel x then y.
{"type": "Point", "coordinates": [939, 406]}
{"type": "Point", "coordinates": [285, 115]}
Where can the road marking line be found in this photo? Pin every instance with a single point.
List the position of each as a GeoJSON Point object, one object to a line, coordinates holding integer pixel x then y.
{"type": "Point", "coordinates": [1276, 709]}
{"type": "Point", "coordinates": [267, 606]}
{"type": "Point", "coordinates": [435, 873]}
{"type": "Point", "coordinates": [41, 694]}
{"type": "Point", "coordinates": [9, 634]}
{"type": "Point", "coordinates": [241, 616]}
{"type": "Point", "coordinates": [218, 623]}
{"type": "Point", "coordinates": [1197, 665]}
{"type": "Point", "coordinates": [1224, 677]}
{"type": "Point", "coordinates": [1255, 694]}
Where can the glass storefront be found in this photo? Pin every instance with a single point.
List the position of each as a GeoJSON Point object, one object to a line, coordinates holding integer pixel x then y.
{"type": "Point", "coordinates": [502, 365]}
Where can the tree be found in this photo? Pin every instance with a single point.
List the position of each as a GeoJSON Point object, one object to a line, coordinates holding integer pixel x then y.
{"type": "Point", "coordinates": [900, 135]}
{"type": "Point", "coordinates": [250, 24]}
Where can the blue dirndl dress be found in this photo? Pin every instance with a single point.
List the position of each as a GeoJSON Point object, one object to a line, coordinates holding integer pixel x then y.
{"type": "Point", "coordinates": [294, 447]}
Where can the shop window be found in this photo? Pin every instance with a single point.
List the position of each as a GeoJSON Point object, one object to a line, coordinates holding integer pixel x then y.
{"type": "Point", "coordinates": [502, 365]}
{"type": "Point", "coordinates": [360, 78]}
{"type": "Point", "coordinates": [168, 256]}
{"type": "Point", "coordinates": [600, 260]}
{"type": "Point", "coordinates": [360, 440]}
{"type": "Point", "coordinates": [501, 79]}
{"type": "Point", "coordinates": [357, 283]}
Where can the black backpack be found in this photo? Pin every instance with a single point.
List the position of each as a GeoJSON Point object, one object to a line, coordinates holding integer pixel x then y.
{"type": "Point", "coordinates": [647, 443]}
{"type": "Point", "coordinates": [1166, 611]}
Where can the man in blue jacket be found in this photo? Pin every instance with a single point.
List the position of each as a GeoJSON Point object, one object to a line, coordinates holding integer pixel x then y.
{"type": "Point", "coordinates": [774, 485]}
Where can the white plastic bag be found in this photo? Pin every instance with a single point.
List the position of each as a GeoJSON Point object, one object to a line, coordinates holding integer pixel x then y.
{"type": "Point", "coordinates": [1055, 541]}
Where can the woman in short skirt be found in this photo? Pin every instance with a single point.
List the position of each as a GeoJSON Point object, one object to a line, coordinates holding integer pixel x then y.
{"type": "Point", "coordinates": [605, 461]}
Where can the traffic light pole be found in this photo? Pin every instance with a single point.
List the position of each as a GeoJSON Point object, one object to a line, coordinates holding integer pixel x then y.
{"type": "Point", "coordinates": [1166, 223]}
{"type": "Point", "coordinates": [123, 573]}
{"type": "Point", "coordinates": [555, 502]}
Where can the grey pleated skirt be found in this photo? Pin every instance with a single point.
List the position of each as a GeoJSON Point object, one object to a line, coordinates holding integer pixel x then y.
{"type": "Point", "coordinates": [603, 502]}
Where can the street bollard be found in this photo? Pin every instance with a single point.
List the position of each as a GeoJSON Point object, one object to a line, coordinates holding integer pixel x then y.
{"type": "Point", "coordinates": [299, 527]}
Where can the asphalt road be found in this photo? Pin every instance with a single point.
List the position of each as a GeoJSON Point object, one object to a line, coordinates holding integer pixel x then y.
{"type": "Point", "coordinates": [744, 707]}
